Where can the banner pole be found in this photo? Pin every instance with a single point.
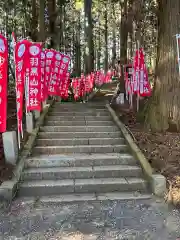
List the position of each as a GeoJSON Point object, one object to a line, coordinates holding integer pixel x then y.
{"type": "Point", "coordinates": [138, 79]}
{"type": "Point", "coordinates": [19, 140]}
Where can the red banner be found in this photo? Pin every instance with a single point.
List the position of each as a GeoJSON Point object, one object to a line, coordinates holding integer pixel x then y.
{"type": "Point", "coordinates": [34, 77]}
{"type": "Point", "coordinates": [3, 82]}
{"type": "Point", "coordinates": [64, 67]}
{"type": "Point", "coordinates": [55, 79]}
{"type": "Point", "coordinates": [87, 83]}
{"type": "Point", "coordinates": [108, 77]}
{"type": "Point", "coordinates": [136, 73]}
{"type": "Point", "coordinates": [144, 86]}
{"type": "Point", "coordinates": [82, 86]}
{"type": "Point", "coordinates": [76, 88]}
{"type": "Point", "coordinates": [97, 76]}
{"type": "Point", "coordinates": [20, 57]}
{"type": "Point", "coordinates": [43, 83]}
{"type": "Point", "coordinates": [64, 86]}
{"type": "Point", "coordinates": [48, 67]}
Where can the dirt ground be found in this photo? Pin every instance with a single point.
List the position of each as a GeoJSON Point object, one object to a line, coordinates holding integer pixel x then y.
{"type": "Point", "coordinates": [161, 149]}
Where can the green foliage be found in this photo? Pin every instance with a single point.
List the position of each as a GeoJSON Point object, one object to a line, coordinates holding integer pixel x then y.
{"type": "Point", "coordinates": [16, 15]}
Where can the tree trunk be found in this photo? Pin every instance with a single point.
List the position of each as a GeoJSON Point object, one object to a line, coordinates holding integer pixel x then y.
{"type": "Point", "coordinates": [26, 25]}
{"type": "Point", "coordinates": [99, 48]}
{"type": "Point", "coordinates": [164, 109]}
{"type": "Point", "coordinates": [61, 26]}
{"type": "Point", "coordinates": [52, 22]}
{"type": "Point", "coordinates": [42, 36]}
{"type": "Point", "coordinates": [78, 45]}
{"type": "Point", "coordinates": [123, 43]}
{"type": "Point", "coordinates": [114, 37]}
{"type": "Point", "coordinates": [124, 33]}
{"type": "Point", "coordinates": [89, 44]}
{"type": "Point", "coordinates": [106, 38]}
{"type": "Point", "coordinates": [34, 23]}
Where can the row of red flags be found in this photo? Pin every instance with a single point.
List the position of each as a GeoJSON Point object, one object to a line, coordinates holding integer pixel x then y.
{"type": "Point", "coordinates": [40, 73]}
{"type": "Point", "coordinates": [44, 72]}
{"type": "Point", "coordinates": [84, 84]}
{"type": "Point", "coordinates": [137, 81]}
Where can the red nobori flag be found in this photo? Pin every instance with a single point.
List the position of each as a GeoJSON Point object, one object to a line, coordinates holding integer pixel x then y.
{"type": "Point", "coordinates": [3, 82]}
{"type": "Point", "coordinates": [64, 86]}
{"type": "Point", "coordinates": [108, 77]}
{"type": "Point", "coordinates": [43, 83]}
{"type": "Point", "coordinates": [67, 85]}
{"type": "Point", "coordinates": [144, 86]}
{"type": "Point", "coordinates": [82, 86]}
{"type": "Point", "coordinates": [136, 73]}
{"type": "Point", "coordinates": [87, 83]}
{"type": "Point", "coordinates": [55, 80]}
{"type": "Point", "coordinates": [64, 66]}
{"type": "Point", "coordinates": [34, 77]}
{"type": "Point", "coordinates": [20, 57]}
{"type": "Point", "coordinates": [49, 66]}
{"type": "Point", "coordinates": [75, 87]}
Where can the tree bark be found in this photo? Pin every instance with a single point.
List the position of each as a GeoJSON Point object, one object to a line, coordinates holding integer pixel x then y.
{"type": "Point", "coordinates": [123, 43]}
{"type": "Point", "coordinates": [34, 23]}
{"type": "Point", "coordinates": [78, 45]}
{"type": "Point", "coordinates": [106, 37]}
{"type": "Point", "coordinates": [99, 47]}
{"type": "Point", "coordinates": [89, 44]}
{"type": "Point", "coordinates": [114, 37]}
{"type": "Point", "coordinates": [52, 22]}
{"type": "Point", "coordinates": [164, 108]}
{"type": "Point", "coordinates": [42, 34]}
{"type": "Point", "coordinates": [124, 32]}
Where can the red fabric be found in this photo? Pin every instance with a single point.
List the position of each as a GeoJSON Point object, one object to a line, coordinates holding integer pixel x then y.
{"type": "Point", "coordinates": [20, 58]}
{"type": "Point", "coordinates": [34, 77]}
{"type": "Point", "coordinates": [3, 82]}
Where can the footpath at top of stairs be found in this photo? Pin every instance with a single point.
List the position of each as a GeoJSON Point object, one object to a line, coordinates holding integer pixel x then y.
{"type": "Point", "coordinates": [80, 151]}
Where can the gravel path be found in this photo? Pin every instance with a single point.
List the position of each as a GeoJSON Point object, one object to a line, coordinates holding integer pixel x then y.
{"type": "Point", "coordinates": [127, 220]}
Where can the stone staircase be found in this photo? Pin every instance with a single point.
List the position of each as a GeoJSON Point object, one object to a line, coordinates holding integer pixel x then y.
{"type": "Point", "coordinates": [81, 154]}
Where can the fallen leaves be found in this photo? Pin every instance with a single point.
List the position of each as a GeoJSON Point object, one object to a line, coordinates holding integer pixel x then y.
{"type": "Point", "coordinates": [161, 149]}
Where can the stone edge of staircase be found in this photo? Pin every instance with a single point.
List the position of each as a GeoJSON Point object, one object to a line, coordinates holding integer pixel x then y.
{"type": "Point", "coordinates": [157, 181]}
{"type": "Point", "coordinates": [9, 188]}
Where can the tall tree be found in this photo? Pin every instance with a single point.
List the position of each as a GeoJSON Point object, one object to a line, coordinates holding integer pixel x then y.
{"type": "Point", "coordinates": [106, 35]}
{"type": "Point", "coordinates": [34, 23]}
{"type": "Point", "coordinates": [89, 44]}
{"type": "Point", "coordinates": [42, 35]}
{"type": "Point", "coordinates": [124, 31]}
{"type": "Point", "coordinates": [164, 108]}
{"type": "Point", "coordinates": [52, 22]}
{"type": "Point", "coordinates": [114, 36]}
{"type": "Point", "coordinates": [78, 43]}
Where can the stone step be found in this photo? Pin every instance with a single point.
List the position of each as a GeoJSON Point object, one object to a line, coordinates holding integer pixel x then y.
{"type": "Point", "coordinates": [80, 149]}
{"type": "Point", "coordinates": [76, 118]}
{"type": "Point", "coordinates": [57, 135]}
{"type": "Point", "coordinates": [93, 114]}
{"type": "Point", "coordinates": [79, 110]}
{"type": "Point", "coordinates": [78, 123]}
{"type": "Point", "coordinates": [80, 105]}
{"type": "Point", "coordinates": [84, 197]}
{"type": "Point", "coordinates": [111, 171]}
{"type": "Point", "coordinates": [78, 141]}
{"type": "Point", "coordinates": [100, 185]}
{"type": "Point", "coordinates": [74, 129]}
{"type": "Point", "coordinates": [79, 160]}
